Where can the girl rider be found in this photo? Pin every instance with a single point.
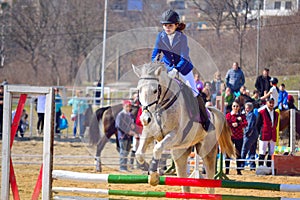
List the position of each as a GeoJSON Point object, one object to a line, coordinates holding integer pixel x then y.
{"type": "Point", "coordinates": [172, 42]}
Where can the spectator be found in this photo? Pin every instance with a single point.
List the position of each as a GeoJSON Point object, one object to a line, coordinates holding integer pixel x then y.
{"type": "Point", "coordinates": [282, 98]}
{"type": "Point", "coordinates": [138, 130]}
{"type": "Point", "coordinates": [266, 124]}
{"type": "Point", "coordinates": [273, 92]}
{"type": "Point", "coordinates": [207, 91]}
{"type": "Point", "coordinates": [237, 122]}
{"type": "Point", "coordinates": [244, 97]}
{"type": "Point", "coordinates": [125, 126]}
{"type": "Point", "coordinates": [40, 109]}
{"type": "Point", "coordinates": [228, 99]}
{"type": "Point", "coordinates": [250, 136]}
{"type": "Point", "coordinates": [235, 78]}
{"type": "Point", "coordinates": [216, 87]}
{"type": "Point", "coordinates": [291, 101]}
{"type": "Point", "coordinates": [88, 113]}
{"type": "Point", "coordinates": [79, 106]}
{"type": "Point", "coordinates": [58, 105]}
{"type": "Point", "coordinates": [255, 95]}
{"type": "Point", "coordinates": [262, 83]}
{"type": "Point", "coordinates": [199, 83]}
{"type": "Point", "coordinates": [23, 124]}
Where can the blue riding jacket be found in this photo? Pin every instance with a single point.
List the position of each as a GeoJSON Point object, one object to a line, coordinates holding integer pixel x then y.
{"type": "Point", "coordinates": [176, 55]}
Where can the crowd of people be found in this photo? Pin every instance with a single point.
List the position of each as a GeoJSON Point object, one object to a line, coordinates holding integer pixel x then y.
{"type": "Point", "coordinates": [251, 117]}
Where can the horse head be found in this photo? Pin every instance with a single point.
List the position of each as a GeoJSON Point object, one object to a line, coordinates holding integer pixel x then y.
{"type": "Point", "coordinates": [152, 87]}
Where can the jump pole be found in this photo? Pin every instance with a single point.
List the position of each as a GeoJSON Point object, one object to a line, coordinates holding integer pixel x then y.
{"type": "Point", "coordinates": [157, 194]}
{"type": "Point", "coordinates": [171, 181]}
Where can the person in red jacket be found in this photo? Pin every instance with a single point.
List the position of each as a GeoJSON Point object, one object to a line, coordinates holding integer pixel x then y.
{"type": "Point", "coordinates": [237, 122]}
{"type": "Point", "coordinates": [266, 124]}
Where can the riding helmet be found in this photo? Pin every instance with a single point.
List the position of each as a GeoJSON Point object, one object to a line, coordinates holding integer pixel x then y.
{"type": "Point", "coordinates": [274, 80]}
{"type": "Point", "coordinates": [170, 17]}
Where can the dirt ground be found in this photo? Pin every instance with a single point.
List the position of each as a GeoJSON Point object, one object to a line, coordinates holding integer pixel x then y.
{"type": "Point", "coordinates": [75, 155]}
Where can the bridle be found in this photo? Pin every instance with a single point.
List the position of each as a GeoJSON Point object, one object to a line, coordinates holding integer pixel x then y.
{"type": "Point", "coordinates": [161, 103]}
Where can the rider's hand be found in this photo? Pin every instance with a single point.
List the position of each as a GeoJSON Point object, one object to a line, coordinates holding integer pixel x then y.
{"type": "Point", "coordinates": [172, 74]}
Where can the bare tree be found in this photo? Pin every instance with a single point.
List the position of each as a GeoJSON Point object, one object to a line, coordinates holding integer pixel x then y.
{"type": "Point", "coordinates": [28, 27]}
{"type": "Point", "coordinates": [81, 20]}
{"type": "Point", "coordinates": [240, 13]}
{"type": "Point", "coordinates": [215, 11]}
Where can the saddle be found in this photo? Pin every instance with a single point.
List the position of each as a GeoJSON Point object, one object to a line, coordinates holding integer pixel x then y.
{"type": "Point", "coordinates": [191, 103]}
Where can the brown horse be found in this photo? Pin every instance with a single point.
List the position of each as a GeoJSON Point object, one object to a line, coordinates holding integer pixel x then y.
{"type": "Point", "coordinates": [285, 121]}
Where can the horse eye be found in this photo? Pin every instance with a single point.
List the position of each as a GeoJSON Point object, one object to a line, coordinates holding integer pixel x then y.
{"type": "Point", "coordinates": [155, 91]}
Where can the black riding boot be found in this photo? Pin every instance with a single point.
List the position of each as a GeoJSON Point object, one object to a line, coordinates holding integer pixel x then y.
{"type": "Point", "coordinates": [261, 159]}
{"type": "Point", "coordinates": [269, 162]}
{"type": "Point", "coordinates": [203, 115]}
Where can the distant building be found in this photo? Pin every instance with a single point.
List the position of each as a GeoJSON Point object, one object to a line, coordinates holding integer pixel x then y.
{"type": "Point", "coordinates": [275, 7]}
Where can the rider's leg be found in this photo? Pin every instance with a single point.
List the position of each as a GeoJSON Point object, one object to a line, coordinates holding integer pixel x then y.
{"type": "Point", "coordinates": [189, 80]}
{"type": "Point", "coordinates": [203, 114]}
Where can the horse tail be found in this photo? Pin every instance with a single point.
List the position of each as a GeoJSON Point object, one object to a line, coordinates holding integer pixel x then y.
{"type": "Point", "coordinates": [94, 131]}
{"type": "Point", "coordinates": [225, 141]}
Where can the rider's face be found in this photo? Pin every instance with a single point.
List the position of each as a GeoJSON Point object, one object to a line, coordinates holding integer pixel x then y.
{"type": "Point", "coordinates": [169, 28]}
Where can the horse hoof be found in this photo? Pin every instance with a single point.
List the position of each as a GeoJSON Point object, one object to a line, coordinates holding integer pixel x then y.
{"type": "Point", "coordinates": [144, 166]}
{"type": "Point", "coordinates": [98, 166]}
{"type": "Point", "coordinates": [154, 179]}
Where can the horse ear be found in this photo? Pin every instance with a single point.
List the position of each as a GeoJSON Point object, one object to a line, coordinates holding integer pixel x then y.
{"type": "Point", "coordinates": [158, 71]}
{"type": "Point", "coordinates": [136, 70]}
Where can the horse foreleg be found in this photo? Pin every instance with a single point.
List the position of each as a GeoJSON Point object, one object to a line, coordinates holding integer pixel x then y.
{"type": "Point", "coordinates": [168, 142]}
{"type": "Point", "coordinates": [180, 157]}
{"type": "Point", "coordinates": [140, 153]}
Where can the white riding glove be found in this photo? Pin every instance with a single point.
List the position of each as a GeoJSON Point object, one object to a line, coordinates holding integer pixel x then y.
{"type": "Point", "coordinates": [173, 73]}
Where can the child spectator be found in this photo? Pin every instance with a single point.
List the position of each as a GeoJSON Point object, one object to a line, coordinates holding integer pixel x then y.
{"type": "Point", "coordinates": [216, 86]}
{"type": "Point", "coordinates": [125, 126]}
{"type": "Point", "coordinates": [198, 82]}
{"type": "Point", "coordinates": [58, 105]}
{"type": "Point", "coordinates": [282, 98]}
{"type": "Point", "coordinates": [255, 95]}
{"type": "Point", "coordinates": [250, 136]}
{"type": "Point", "coordinates": [23, 124]}
{"type": "Point", "coordinates": [207, 91]}
{"type": "Point", "coordinates": [273, 92]}
{"type": "Point", "coordinates": [228, 99]}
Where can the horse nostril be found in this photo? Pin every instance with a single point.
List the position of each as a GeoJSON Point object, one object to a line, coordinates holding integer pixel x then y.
{"type": "Point", "coordinates": [149, 120]}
